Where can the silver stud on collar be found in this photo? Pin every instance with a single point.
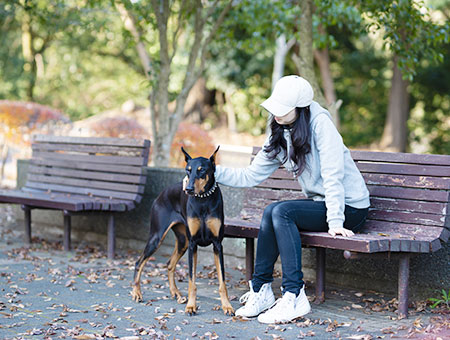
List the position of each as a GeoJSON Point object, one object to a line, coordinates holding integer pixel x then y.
{"type": "Point", "coordinates": [208, 193]}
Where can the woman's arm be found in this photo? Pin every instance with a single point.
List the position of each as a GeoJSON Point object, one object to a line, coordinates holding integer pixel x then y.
{"type": "Point", "coordinates": [260, 169]}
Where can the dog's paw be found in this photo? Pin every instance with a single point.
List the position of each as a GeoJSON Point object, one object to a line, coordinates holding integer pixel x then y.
{"type": "Point", "coordinates": [191, 310]}
{"type": "Point", "coordinates": [136, 294]}
{"type": "Point", "coordinates": [181, 299]}
{"type": "Point", "coordinates": [228, 310]}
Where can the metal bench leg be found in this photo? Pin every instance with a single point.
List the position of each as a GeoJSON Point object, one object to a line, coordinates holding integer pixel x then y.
{"type": "Point", "coordinates": [27, 219]}
{"type": "Point", "coordinates": [320, 275]}
{"type": "Point", "coordinates": [403, 279]}
{"type": "Point", "coordinates": [67, 231]}
{"type": "Point", "coordinates": [111, 237]}
{"type": "Point", "coordinates": [249, 257]}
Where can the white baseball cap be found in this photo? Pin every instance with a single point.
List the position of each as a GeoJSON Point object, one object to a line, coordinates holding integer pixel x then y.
{"type": "Point", "coordinates": [289, 92]}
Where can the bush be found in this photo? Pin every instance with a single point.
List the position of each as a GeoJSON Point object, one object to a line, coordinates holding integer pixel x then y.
{"type": "Point", "coordinates": [195, 141]}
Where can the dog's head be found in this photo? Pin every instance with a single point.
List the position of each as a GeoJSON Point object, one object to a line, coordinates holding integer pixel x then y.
{"type": "Point", "coordinates": [200, 173]}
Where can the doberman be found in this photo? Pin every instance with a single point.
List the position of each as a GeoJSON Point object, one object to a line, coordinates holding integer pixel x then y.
{"type": "Point", "coordinates": [195, 215]}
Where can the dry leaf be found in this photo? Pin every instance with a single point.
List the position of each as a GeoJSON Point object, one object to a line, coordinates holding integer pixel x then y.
{"type": "Point", "coordinates": [354, 305]}
{"type": "Point", "coordinates": [85, 336]}
{"type": "Point", "coordinates": [360, 337]}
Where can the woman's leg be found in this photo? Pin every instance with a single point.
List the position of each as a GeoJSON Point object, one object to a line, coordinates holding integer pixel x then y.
{"type": "Point", "coordinates": [266, 250]}
{"type": "Point", "coordinates": [279, 235]}
{"type": "Point", "coordinates": [291, 217]}
{"type": "Point", "coordinates": [288, 217]}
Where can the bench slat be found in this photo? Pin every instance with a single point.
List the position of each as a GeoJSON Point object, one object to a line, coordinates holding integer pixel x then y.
{"type": "Point", "coordinates": [413, 231]}
{"type": "Point", "coordinates": [405, 217]}
{"type": "Point", "coordinates": [408, 193]}
{"type": "Point", "coordinates": [399, 157]}
{"type": "Point", "coordinates": [88, 202]}
{"type": "Point", "coordinates": [405, 169]}
{"type": "Point", "coordinates": [95, 175]}
{"type": "Point", "coordinates": [280, 184]}
{"type": "Point", "coordinates": [409, 205]}
{"type": "Point", "coordinates": [96, 159]}
{"type": "Point", "coordinates": [130, 188]}
{"type": "Point", "coordinates": [91, 203]}
{"type": "Point", "coordinates": [91, 149]}
{"type": "Point", "coordinates": [40, 199]}
{"type": "Point", "coordinates": [241, 228]}
{"type": "Point", "coordinates": [269, 194]}
{"type": "Point", "coordinates": [125, 169]}
{"type": "Point", "coordinates": [84, 191]}
{"type": "Point", "coordinates": [360, 243]}
{"type": "Point", "coordinates": [407, 181]}
{"type": "Point", "coordinates": [92, 140]}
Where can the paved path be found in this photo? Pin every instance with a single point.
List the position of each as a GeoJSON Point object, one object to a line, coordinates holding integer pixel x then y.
{"type": "Point", "coordinates": [46, 293]}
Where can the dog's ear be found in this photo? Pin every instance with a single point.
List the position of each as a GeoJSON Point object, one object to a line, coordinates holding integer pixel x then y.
{"type": "Point", "coordinates": [213, 157]}
{"type": "Point", "coordinates": [186, 155]}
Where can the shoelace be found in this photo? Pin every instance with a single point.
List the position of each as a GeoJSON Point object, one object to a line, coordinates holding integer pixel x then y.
{"type": "Point", "coordinates": [250, 298]}
{"type": "Point", "coordinates": [245, 297]}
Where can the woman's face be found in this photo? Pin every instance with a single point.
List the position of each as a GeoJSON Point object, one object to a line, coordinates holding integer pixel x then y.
{"type": "Point", "coordinates": [287, 118]}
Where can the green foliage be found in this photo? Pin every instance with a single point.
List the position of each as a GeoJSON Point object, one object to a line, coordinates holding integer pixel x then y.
{"type": "Point", "coordinates": [443, 299]}
{"type": "Point", "coordinates": [88, 67]}
{"type": "Point", "coordinates": [408, 31]}
{"type": "Point", "coordinates": [430, 97]}
{"type": "Point", "coordinates": [361, 83]}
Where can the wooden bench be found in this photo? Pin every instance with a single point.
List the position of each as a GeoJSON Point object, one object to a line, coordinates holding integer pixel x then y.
{"type": "Point", "coordinates": [82, 175]}
{"type": "Point", "coordinates": [409, 213]}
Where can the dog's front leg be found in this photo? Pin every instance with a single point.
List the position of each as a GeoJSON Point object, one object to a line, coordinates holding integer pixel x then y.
{"type": "Point", "coordinates": [191, 307]}
{"type": "Point", "coordinates": [218, 259]}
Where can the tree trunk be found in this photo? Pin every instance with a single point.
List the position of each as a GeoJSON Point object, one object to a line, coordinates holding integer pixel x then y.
{"type": "Point", "coordinates": [165, 121]}
{"type": "Point", "coordinates": [322, 59]}
{"type": "Point", "coordinates": [28, 56]}
{"type": "Point", "coordinates": [231, 115]}
{"type": "Point", "coordinates": [395, 129]}
{"type": "Point", "coordinates": [304, 60]}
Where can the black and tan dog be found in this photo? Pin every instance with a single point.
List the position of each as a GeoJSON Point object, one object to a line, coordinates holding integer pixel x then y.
{"type": "Point", "coordinates": [195, 215]}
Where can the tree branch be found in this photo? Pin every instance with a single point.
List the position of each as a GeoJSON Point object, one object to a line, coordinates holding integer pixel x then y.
{"type": "Point", "coordinates": [130, 24]}
{"type": "Point", "coordinates": [175, 33]}
{"type": "Point", "coordinates": [191, 77]}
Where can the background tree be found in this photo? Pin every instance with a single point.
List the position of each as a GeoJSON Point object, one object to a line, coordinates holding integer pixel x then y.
{"type": "Point", "coordinates": [39, 22]}
{"type": "Point", "coordinates": [411, 36]}
{"type": "Point", "coordinates": [189, 24]}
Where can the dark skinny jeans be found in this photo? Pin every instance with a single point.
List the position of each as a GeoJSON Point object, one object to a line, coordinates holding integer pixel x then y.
{"type": "Point", "coordinates": [279, 234]}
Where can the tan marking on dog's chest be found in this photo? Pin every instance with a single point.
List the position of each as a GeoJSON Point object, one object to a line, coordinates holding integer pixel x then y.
{"type": "Point", "coordinates": [214, 224]}
{"type": "Point", "coordinates": [194, 225]}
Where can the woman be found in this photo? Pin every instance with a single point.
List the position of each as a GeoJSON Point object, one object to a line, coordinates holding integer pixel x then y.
{"type": "Point", "coordinates": [304, 139]}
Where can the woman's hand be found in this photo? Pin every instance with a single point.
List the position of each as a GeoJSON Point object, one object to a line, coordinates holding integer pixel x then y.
{"type": "Point", "coordinates": [340, 231]}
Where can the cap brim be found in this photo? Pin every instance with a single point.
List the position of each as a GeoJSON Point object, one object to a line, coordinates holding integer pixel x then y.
{"type": "Point", "coordinates": [275, 108]}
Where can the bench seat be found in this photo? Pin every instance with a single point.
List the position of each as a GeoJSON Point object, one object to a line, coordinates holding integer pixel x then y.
{"type": "Point", "coordinates": [82, 175]}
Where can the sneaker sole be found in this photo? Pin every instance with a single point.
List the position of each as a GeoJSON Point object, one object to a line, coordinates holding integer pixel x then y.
{"type": "Point", "coordinates": [300, 314]}
{"type": "Point", "coordinates": [263, 310]}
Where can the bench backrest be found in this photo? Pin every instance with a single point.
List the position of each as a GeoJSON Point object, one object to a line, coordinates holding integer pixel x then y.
{"type": "Point", "coordinates": [410, 193]}
{"type": "Point", "coordinates": [111, 168]}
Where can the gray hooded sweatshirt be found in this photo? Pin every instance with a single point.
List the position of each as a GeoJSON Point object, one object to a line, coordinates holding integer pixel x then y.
{"type": "Point", "coordinates": [330, 173]}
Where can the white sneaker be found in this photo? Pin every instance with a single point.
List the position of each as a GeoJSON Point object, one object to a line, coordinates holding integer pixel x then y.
{"type": "Point", "coordinates": [287, 308]}
{"type": "Point", "coordinates": [255, 303]}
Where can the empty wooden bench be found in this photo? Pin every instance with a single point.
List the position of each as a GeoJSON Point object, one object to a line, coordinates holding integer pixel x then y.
{"type": "Point", "coordinates": [409, 213]}
{"type": "Point", "coordinates": [82, 175]}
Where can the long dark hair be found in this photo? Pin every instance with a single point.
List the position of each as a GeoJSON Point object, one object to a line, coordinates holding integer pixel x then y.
{"type": "Point", "coordinates": [301, 139]}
